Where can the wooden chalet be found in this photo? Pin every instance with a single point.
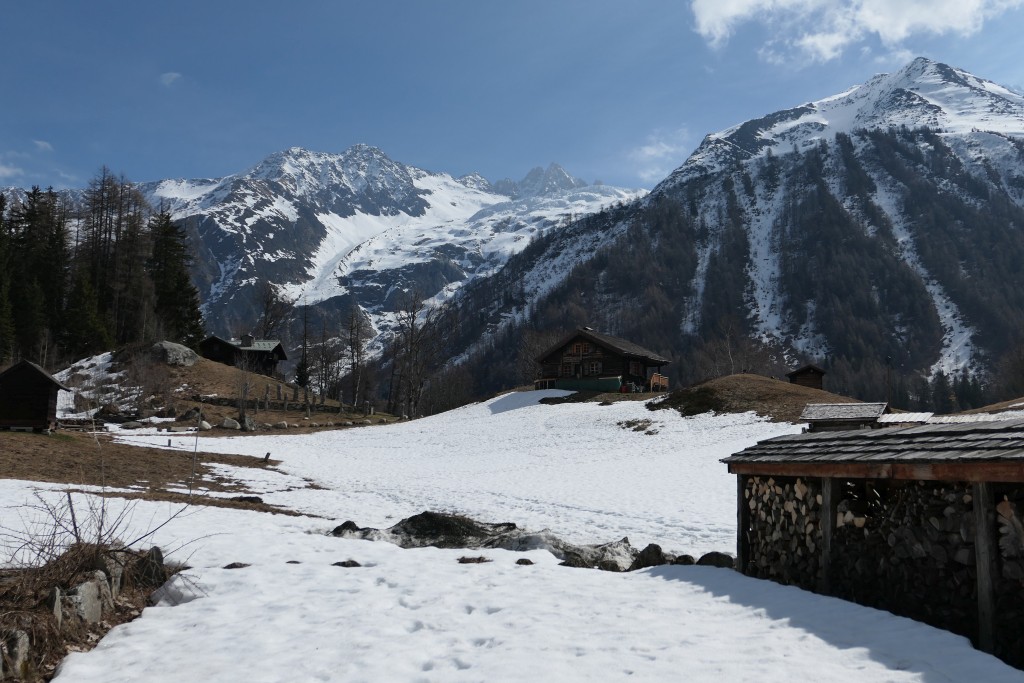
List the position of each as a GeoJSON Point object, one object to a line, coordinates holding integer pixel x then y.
{"type": "Point", "coordinates": [258, 355]}
{"type": "Point", "coordinates": [843, 416]}
{"type": "Point", "coordinates": [924, 521]}
{"type": "Point", "coordinates": [588, 360]}
{"type": "Point", "coordinates": [807, 376]}
{"type": "Point", "coordinates": [28, 398]}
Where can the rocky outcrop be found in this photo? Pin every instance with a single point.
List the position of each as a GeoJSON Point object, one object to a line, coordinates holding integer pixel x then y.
{"type": "Point", "coordinates": [441, 530]}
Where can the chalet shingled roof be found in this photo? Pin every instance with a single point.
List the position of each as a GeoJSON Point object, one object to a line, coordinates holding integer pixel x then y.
{"type": "Point", "coordinates": [264, 345]}
{"type": "Point", "coordinates": [257, 344]}
{"type": "Point", "coordinates": [930, 443]}
{"type": "Point", "coordinates": [855, 412]}
{"type": "Point", "coordinates": [38, 369]}
{"type": "Point", "coordinates": [804, 368]}
{"type": "Point", "coordinates": [622, 346]}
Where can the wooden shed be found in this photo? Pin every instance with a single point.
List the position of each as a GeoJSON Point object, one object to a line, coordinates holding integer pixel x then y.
{"type": "Point", "coordinates": [589, 360]}
{"type": "Point", "coordinates": [258, 355]}
{"type": "Point", "coordinates": [923, 521]}
{"type": "Point", "coordinates": [28, 397]}
{"type": "Point", "coordinates": [807, 376]}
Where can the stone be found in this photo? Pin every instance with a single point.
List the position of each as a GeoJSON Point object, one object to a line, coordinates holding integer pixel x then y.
{"type": "Point", "coordinates": [651, 556]}
{"type": "Point", "coordinates": [281, 425]}
{"type": "Point", "coordinates": [205, 426]}
{"type": "Point", "coordinates": [236, 565]}
{"type": "Point", "coordinates": [717, 559]}
{"type": "Point", "coordinates": [150, 570]}
{"type": "Point", "coordinates": [174, 354]}
{"type": "Point", "coordinates": [524, 561]}
{"type": "Point", "coordinates": [56, 603]}
{"type": "Point", "coordinates": [16, 651]}
{"type": "Point", "coordinates": [684, 560]}
{"type": "Point", "coordinates": [228, 423]}
{"type": "Point", "coordinates": [248, 424]}
{"type": "Point", "coordinates": [346, 563]}
{"type": "Point", "coordinates": [247, 499]}
{"type": "Point", "coordinates": [132, 424]}
{"type": "Point", "coordinates": [190, 415]}
{"type": "Point", "coordinates": [382, 421]}
{"type": "Point", "coordinates": [178, 429]}
{"type": "Point", "coordinates": [346, 527]}
{"type": "Point", "coordinates": [91, 597]}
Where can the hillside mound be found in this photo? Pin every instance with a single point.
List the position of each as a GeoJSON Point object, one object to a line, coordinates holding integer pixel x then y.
{"type": "Point", "coordinates": [1014, 404]}
{"type": "Point", "coordinates": [775, 399]}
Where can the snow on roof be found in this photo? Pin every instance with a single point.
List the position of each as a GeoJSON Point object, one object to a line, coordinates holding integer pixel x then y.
{"type": "Point", "coordinates": [897, 418]}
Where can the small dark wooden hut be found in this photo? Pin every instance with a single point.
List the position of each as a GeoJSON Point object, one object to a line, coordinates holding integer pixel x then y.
{"type": "Point", "coordinates": [588, 360]}
{"type": "Point", "coordinates": [28, 397]}
{"type": "Point", "coordinates": [258, 355]}
{"type": "Point", "coordinates": [807, 376]}
{"type": "Point", "coordinates": [924, 521]}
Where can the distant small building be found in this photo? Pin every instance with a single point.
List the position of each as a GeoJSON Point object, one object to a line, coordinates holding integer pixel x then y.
{"type": "Point", "coordinates": [807, 376]}
{"type": "Point", "coordinates": [258, 355]}
{"type": "Point", "coordinates": [824, 417]}
{"type": "Point", "coordinates": [588, 360]}
{"type": "Point", "coordinates": [28, 397]}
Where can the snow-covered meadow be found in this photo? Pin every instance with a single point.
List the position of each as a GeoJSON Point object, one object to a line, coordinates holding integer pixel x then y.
{"type": "Point", "coordinates": [420, 615]}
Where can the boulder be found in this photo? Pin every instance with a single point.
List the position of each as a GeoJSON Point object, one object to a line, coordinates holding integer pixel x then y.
{"type": "Point", "coordinates": [248, 424]}
{"type": "Point", "coordinates": [717, 559]}
{"type": "Point", "coordinates": [347, 563]}
{"type": "Point", "coordinates": [149, 570]}
{"type": "Point", "coordinates": [132, 424]}
{"type": "Point", "coordinates": [651, 556]}
{"type": "Point", "coordinates": [90, 598]}
{"type": "Point", "coordinates": [281, 425]}
{"type": "Point", "coordinates": [190, 415]}
{"type": "Point", "coordinates": [228, 423]}
{"type": "Point", "coordinates": [205, 426]}
{"type": "Point", "coordinates": [178, 429]}
{"type": "Point", "coordinates": [684, 560]}
{"type": "Point", "coordinates": [16, 653]}
{"type": "Point", "coordinates": [174, 354]}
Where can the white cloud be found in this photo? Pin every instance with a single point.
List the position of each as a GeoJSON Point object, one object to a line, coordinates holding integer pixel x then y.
{"type": "Point", "coordinates": [661, 154]}
{"type": "Point", "coordinates": [823, 29]}
{"type": "Point", "coordinates": [168, 79]}
{"type": "Point", "coordinates": [9, 171]}
{"type": "Point", "coordinates": [43, 145]}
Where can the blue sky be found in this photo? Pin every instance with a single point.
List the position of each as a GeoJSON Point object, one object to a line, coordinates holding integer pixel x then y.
{"type": "Point", "coordinates": [615, 91]}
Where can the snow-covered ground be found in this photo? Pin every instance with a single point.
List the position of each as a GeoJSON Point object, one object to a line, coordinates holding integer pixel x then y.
{"type": "Point", "coordinates": [420, 615]}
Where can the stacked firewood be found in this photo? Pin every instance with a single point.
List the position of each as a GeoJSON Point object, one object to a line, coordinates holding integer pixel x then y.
{"type": "Point", "coordinates": [908, 548]}
{"type": "Point", "coordinates": [1009, 580]}
{"type": "Point", "coordinates": [785, 529]}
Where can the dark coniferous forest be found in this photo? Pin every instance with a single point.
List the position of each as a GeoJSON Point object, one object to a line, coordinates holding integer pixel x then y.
{"type": "Point", "coordinates": [80, 279]}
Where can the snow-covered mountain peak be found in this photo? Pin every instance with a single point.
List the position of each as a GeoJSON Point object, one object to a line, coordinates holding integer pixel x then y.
{"type": "Point", "coordinates": [924, 93]}
{"type": "Point", "coordinates": [540, 182]}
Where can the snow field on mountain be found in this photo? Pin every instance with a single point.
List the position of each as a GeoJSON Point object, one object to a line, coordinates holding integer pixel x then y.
{"type": "Point", "coordinates": [420, 615]}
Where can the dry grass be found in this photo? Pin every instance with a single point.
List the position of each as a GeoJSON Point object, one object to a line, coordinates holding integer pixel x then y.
{"type": "Point", "coordinates": [775, 399]}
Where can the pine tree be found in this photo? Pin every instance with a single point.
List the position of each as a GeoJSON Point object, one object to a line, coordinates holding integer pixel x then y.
{"type": "Point", "coordinates": [177, 299]}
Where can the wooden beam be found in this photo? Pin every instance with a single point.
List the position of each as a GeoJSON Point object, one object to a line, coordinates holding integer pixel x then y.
{"type": "Point", "coordinates": [742, 525]}
{"type": "Point", "coordinates": [984, 553]}
{"type": "Point", "coordinates": [829, 502]}
{"type": "Point", "coordinates": [964, 470]}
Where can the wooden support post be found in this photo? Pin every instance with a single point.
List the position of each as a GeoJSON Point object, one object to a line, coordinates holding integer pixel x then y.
{"type": "Point", "coordinates": [829, 496]}
{"type": "Point", "coordinates": [742, 525]}
{"type": "Point", "coordinates": [984, 553]}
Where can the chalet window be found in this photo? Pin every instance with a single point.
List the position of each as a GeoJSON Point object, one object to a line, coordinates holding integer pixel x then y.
{"type": "Point", "coordinates": [635, 368]}
{"type": "Point", "coordinates": [566, 370]}
{"type": "Point", "coordinates": [594, 368]}
{"type": "Point", "coordinates": [577, 349]}
{"type": "Point", "coordinates": [586, 347]}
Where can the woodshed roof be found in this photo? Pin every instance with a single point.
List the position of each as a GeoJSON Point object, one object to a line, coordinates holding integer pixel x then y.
{"type": "Point", "coordinates": [25, 364]}
{"type": "Point", "coordinates": [978, 451]}
{"type": "Point", "coordinates": [842, 411]}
